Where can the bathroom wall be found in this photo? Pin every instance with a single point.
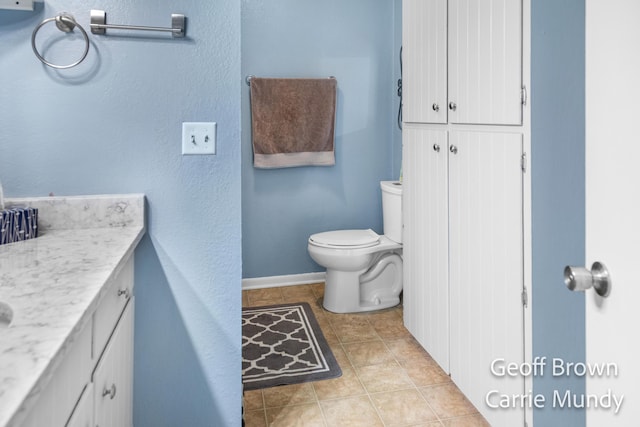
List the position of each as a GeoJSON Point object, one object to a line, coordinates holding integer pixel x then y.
{"type": "Point", "coordinates": [353, 41]}
{"type": "Point", "coordinates": [558, 195]}
{"type": "Point", "coordinates": [113, 125]}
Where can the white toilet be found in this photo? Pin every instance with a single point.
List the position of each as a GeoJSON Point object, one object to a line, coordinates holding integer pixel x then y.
{"type": "Point", "coordinates": [364, 269]}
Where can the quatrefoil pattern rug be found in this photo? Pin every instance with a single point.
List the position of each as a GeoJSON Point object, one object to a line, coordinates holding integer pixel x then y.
{"type": "Point", "coordinates": [283, 344]}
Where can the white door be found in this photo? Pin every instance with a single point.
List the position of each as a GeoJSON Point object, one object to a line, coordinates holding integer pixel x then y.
{"type": "Point", "coordinates": [613, 204]}
{"type": "Point", "coordinates": [486, 266]}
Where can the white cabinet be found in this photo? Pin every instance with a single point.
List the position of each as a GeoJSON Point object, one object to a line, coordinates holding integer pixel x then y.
{"type": "Point", "coordinates": [463, 255]}
{"type": "Point", "coordinates": [462, 61]}
{"type": "Point", "coordinates": [92, 384]}
{"type": "Point", "coordinates": [113, 377]}
{"type": "Point", "coordinates": [486, 265]}
{"type": "Point", "coordinates": [425, 199]}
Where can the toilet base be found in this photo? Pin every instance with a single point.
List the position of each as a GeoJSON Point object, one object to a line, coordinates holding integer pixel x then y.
{"type": "Point", "coordinates": [368, 290]}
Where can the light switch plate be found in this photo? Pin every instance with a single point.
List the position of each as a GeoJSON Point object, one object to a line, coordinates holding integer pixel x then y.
{"type": "Point", "coordinates": [198, 138]}
{"type": "Point", "coordinates": [16, 4]}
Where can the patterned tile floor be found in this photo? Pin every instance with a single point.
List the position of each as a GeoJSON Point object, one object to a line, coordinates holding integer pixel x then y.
{"type": "Point", "coordinates": [387, 378]}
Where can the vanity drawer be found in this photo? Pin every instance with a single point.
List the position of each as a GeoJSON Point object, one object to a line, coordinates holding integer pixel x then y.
{"type": "Point", "coordinates": [110, 308]}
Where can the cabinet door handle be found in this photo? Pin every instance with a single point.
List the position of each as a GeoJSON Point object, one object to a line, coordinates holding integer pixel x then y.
{"type": "Point", "coordinates": [453, 149]}
{"type": "Point", "coordinates": [436, 148]}
{"type": "Point", "coordinates": [452, 106]}
{"type": "Point", "coordinates": [124, 292]}
{"type": "Point", "coordinates": [435, 107]}
{"type": "Point", "coordinates": [109, 392]}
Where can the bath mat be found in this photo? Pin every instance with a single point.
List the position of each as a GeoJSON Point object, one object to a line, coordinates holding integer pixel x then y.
{"type": "Point", "coordinates": [283, 344]}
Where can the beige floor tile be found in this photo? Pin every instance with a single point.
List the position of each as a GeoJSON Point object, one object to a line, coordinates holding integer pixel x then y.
{"type": "Point", "coordinates": [447, 401]}
{"type": "Point", "coordinates": [256, 418]}
{"type": "Point", "coordinates": [401, 408]}
{"type": "Point", "coordinates": [424, 372]}
{"type": "Point", "coordinates": [346, 385]}
{"type": "Point", "coordinates": [383, 377]}
{"type": "Point", "coordinates": [368, 353]}
{"type": "Point", "coordinates": [253, 400]}
{"type": "Point", "coordinates": [267, 296]}
{"type": "Point", "coordinates": [318, 289]}
{"type": "Point", "coordinates": [341, 356]}
{"type": "Point", "coordinates": [390, 329]}
{"type": "Point", "coordinates": [294, 394]}
{"type": "Point", "coordinates": [353, 330]}
{"type": "Point", "coordinates": [406, 348]}
{"type": "Point", "coordinates": [245, 299]}
{"type": "Point", "coordinates": [308, 415]}
{"type": "Point", "coordinates": [350, 412]}
{"type": "Point", "coordinates": [470, 421]}
{"type": "Point", "coordinates": [298, 291]}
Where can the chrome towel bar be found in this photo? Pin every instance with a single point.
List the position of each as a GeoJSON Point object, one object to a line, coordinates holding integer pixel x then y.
{"type": "Point", "coordinates": [99, 24]}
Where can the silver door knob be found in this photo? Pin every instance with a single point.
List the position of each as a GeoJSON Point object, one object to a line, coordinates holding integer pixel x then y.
{"type": "Point", "coordinates": [436, 148]}
{"type": "Point", "coordinates": [581, 279]}
{"type": "Point", "coordinates": [453, 149]}
{"type": "Point", "coordinates": [452, 106]}
{"type": "Point", "coordinates": [435, 107]}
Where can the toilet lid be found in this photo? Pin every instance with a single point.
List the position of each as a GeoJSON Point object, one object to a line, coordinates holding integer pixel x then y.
{"type": "Point", "coordinates": [346, 238]}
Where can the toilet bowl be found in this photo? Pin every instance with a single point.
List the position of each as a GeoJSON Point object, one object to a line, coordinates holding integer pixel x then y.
{"type": "Point", "coordinates": [363, 269]}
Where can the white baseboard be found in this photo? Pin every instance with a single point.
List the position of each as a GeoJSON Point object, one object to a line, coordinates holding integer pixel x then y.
{"type": "Point", "coordinates": [286, 280]}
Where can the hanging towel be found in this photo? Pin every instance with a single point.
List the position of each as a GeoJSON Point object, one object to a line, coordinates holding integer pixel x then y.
{"type": "Point", "coordinates": [293, 122]}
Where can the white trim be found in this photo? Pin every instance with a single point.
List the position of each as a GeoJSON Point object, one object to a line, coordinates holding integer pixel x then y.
{"type": "Point", "coordinates": [286, 280]}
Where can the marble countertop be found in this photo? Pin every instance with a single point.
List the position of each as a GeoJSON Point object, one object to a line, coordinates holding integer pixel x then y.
{"type": "Point", "coordinates": [53, 284]}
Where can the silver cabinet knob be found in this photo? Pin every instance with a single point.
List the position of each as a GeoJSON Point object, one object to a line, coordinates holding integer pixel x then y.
{"type": "Point", "coordinates": [452, 106]}
{"type": "Point", "coordinates": [581, 279]}
{"type": "Point", "coordinates": [436, 148]}
{"type": "Point", "coordinates": [109, 392]}
{"type": "Point", "coordinates": [453, 149]}
{"type": "Point", "coordinates": [435, 107]}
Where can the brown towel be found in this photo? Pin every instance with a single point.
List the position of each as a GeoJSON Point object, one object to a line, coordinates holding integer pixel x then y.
{"type": "Point", "coordinates": [292, 122]}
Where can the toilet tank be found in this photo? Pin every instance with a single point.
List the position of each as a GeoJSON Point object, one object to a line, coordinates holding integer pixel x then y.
{"type": "Point", "coordinates": [392, 209]}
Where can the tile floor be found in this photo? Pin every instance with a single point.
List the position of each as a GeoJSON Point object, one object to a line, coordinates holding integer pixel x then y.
{"type": "Point", "coordinates": [387, 378]}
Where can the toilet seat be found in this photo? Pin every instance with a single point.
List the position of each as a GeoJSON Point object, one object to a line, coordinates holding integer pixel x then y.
{"type": "Point", "coordinates": [346, 239]}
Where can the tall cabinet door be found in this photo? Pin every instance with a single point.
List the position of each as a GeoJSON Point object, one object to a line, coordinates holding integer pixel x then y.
{"type": "Point", "coordinates": [424, 197]}
{"type": "Point", "coordinates": [485, 61]}
{"type": "Point", "coordinates": [486, 266]}
{"type": "Point", "coordinates": [424, 54]}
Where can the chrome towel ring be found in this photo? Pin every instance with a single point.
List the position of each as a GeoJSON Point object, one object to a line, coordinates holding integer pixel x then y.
{"type": "Point", "coordinates": [65, 23]}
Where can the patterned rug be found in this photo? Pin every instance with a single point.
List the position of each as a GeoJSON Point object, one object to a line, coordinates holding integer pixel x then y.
{"type": "Point", "coordinates": [283, 344]}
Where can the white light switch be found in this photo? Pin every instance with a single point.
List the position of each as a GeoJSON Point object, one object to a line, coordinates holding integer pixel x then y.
{"type": "Point", "coordinates": [198, 138]}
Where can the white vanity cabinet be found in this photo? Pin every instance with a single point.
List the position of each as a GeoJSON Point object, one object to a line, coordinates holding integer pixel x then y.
{"type": "Point", "coordinates": [462, 61]}
{"type": "Point", "coordinates": [92, 386]}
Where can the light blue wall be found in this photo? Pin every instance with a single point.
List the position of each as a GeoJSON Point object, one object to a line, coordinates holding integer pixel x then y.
{"type": "Point", "coordinates": [113, 125]}
{"type": "Point", "coordinates": [558, 122]}
{"type": "Point", "coordinates": [353, 41]}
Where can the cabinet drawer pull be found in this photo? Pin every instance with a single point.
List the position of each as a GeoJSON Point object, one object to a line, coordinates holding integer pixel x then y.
{"type": "Point", "coordinates": [124, 292]}
{"type": "Point", "coordinates": [452, 106]}
{"type": "Point", "coordinates": [435, 107]}
{"type": "Point", "coordinates": [453, 149]}
{"type": "Point", "coordinates": [436, 148]}
{"type": "Point", "coordinates": [109, 392]}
